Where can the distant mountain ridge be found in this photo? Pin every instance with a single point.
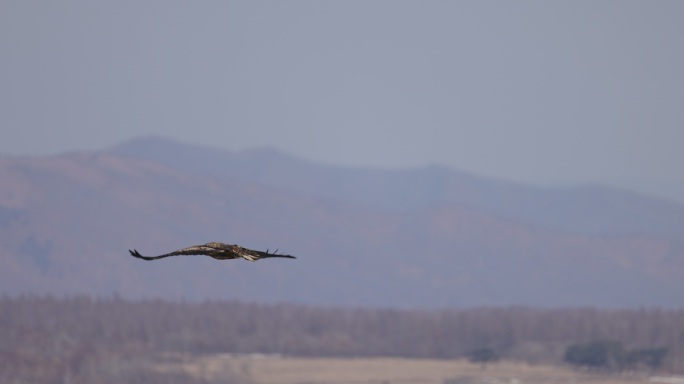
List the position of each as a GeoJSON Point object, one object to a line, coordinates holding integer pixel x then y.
{"type": "Point", "coordinates": [427, 237]}
{"type": "Point", "coordinates": [590, 209]}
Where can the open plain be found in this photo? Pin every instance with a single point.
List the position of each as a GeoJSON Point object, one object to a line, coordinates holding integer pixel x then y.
{"type": "Point", "coordinates": [264, 369]}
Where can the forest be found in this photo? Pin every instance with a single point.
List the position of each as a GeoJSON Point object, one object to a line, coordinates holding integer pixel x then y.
{"type": "Point", "coordinates": [103, 340]}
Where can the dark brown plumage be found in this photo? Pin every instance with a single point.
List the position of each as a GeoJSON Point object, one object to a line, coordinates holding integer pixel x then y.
{"type": "Point", "coordinates": [219, 251]}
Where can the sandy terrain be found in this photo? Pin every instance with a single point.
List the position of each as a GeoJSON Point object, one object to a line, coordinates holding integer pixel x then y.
{"type": "Point", "coordinates": [286, 370]}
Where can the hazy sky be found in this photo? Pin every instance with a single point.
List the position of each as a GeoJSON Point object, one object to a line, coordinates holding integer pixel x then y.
{"type": "Point", "coordinates": [535, 91]}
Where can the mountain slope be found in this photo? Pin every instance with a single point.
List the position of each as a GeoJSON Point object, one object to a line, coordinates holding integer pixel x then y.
{"type": "Point", "coordinates": [67, 222]}
{"type": "Point", "coordinates": [590, 209]}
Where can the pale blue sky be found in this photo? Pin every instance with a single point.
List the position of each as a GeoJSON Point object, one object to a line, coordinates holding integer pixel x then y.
{"type": "Point", "coordinates": [543, 92]}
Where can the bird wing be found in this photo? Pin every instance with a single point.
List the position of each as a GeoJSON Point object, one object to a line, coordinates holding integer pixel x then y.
{"type": "Point", "coordinates": [194, 250]}
{"type": "Point", "coordinates": [253, 255]}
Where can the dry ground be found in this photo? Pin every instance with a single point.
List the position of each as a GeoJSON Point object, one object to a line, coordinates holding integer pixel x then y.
{"type": "Point", "coordinates": [290, 370]}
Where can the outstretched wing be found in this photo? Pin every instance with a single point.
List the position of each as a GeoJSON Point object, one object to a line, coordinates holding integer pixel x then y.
{"type": "Point", "coordinates": [253, 255]}
{"type": "Point", "coordinates": [194, 250]}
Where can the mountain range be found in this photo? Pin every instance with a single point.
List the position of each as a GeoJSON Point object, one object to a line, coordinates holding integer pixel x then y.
{"type": "Point", "coordinates": [417, 238]}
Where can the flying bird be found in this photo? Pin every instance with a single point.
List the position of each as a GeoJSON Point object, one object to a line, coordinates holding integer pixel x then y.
{"type": "Point", "coordinates": [219, 251]}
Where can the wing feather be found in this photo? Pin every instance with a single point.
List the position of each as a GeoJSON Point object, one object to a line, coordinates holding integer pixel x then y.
{"type": "Point", "coordinates": [253, 255]}
{"type": "Point", "coordinates": [194, 250]}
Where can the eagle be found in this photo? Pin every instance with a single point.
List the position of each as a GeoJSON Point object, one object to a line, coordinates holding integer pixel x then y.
{"type": "Point", "coordinates": [219, 251]}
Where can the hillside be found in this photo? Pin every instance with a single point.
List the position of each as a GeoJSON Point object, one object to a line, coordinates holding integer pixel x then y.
{"type": "Point", "coordinates": [428, 237]}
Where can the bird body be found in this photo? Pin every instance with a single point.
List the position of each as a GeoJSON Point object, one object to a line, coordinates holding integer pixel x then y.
{"type": "Point", "coordinates": [219, 251]}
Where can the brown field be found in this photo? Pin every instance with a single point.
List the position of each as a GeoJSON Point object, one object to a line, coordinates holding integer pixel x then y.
{"type": "Point", "coordinates": [289, 370]}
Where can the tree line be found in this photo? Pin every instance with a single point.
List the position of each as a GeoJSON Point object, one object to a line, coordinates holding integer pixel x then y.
{"type": "Point", "coordinates": [64, 333]}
